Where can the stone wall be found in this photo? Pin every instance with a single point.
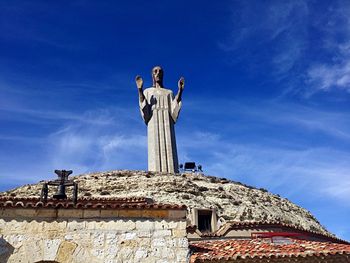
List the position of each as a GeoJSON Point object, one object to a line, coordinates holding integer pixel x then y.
{"type": "Point", "coordinates": [93, 240]}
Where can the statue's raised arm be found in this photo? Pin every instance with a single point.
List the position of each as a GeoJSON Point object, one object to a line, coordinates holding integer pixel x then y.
{"type": "Point", "coordinates": [181, 86]}
{"type": "Point", "coordinates": [139, 84]}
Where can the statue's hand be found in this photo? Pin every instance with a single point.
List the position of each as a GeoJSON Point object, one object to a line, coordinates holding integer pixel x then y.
{"type": "Point", "coordinates": [139, 82]}
{"type": "Point", "coordinates": [181, 83]}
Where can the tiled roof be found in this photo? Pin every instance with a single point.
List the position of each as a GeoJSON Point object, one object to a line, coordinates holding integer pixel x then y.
{"type": "Point", "coordinates": [204, 251]}
{"type": "Point", "coordinates": [92, 203]}
{"type": "Point", "coordinates": [254, 224]}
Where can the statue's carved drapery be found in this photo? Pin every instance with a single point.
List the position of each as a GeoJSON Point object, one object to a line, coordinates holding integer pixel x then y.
{"type": "Point", "coordinates": [160, 111]}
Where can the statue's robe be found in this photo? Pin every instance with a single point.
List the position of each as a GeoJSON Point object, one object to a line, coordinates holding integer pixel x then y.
{"type": "Point", "coordinates": [160, 111]}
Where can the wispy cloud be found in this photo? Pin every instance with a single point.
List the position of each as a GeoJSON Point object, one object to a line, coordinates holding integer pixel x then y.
{"type": "Point", "coordinates": [338, 185]}
{"type": "Point", "coordinates": [284, 46]}
{"type": "Point", "coordinates": [333, 70]}
{"type": "Point", "coordinates": [307, 118]}
{"type": "Point", "coordinates": [325, 77]}
{"type": "Point", "coordinates": [32, 100]}
{"type": "Point", "coordinates": [328, 76]}
{"type": "Point", "coordinates": [281, 169]}
{"type": "Point", "coordinates": [99, 147]}
{"type": "Point", "coordinates": [275, 114]}
{"type": "Point", "coordinates": [288, 148]}
{"type": "Point", "coordinates": [92, 141]}
{"type": "Point", "coordinates": [95, 140]}
{"type": "Point", "coordinates": [277, 28]}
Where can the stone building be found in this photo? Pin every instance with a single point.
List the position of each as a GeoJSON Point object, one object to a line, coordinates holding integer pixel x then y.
{"type": "Point", "coordinates": [93, 230]}
{"type": "Point", "coordinates": [137, 216]}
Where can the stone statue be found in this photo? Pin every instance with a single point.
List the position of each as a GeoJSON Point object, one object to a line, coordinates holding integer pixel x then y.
{"type": "Point", "coordinates": [160, 110]}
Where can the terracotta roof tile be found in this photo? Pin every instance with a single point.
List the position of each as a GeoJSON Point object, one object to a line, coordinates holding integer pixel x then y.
{"type": "Point", "coordinates": [232, 249]}
{"type": "Point", "coordinates": [94, 203]}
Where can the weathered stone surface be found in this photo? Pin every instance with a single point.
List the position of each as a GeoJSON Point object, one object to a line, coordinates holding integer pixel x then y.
{"type": "Point", "coordinates": [232, 200]}
{"type": "Point", "coordinates": [162, 233]}
{"type": "Point", "coordinates": [50, 248]}
{"type": "Point", "coordinates": [65, 251]}
{"type": "Point", "coordinates": [92, 241]}
{"type": "Point", "coordinates": [145, 225]}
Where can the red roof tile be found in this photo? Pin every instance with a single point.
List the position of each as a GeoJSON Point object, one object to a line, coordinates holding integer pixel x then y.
{"type": "Point", "coordinates": [262, 248]}
{"type": "Point", "coordinates": [87, 202]}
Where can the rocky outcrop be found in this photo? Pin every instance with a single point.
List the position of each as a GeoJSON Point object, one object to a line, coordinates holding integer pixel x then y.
{"type": "Point", "coordinates": [233, 200]}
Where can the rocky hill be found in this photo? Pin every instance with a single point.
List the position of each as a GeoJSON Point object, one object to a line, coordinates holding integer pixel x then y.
{"type": "Point", "coordinates": [233, 200]}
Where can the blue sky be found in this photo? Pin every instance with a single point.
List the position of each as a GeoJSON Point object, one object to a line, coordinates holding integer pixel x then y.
{"type": "Point", "coordinates": [266, 100]}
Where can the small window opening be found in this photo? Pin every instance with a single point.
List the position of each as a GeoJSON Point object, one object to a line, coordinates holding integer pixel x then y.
{"type": "Point", "coordinates": [204, 221]}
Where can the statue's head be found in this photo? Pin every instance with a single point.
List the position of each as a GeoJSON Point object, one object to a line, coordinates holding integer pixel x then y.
{"type": "Point", "coordinates": [157, 76]}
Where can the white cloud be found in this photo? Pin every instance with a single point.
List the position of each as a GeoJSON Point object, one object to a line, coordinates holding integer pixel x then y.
{"type": "Point", "coordinates": [112, 143]}
{"type": "Point", "coordinates": [328, 76]}
{"type": "Point", "coordinates": [339, 189]}
{"type": "Point", "coordinates": [84, 146]}
{"type": "Point", "coordinates": [333, 72]}
{"type": "Point", "coordinates": [285, 35]}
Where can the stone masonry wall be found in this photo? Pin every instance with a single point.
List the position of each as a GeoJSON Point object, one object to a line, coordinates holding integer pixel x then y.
{"type": "Point", "coordinates": [90, 240]}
